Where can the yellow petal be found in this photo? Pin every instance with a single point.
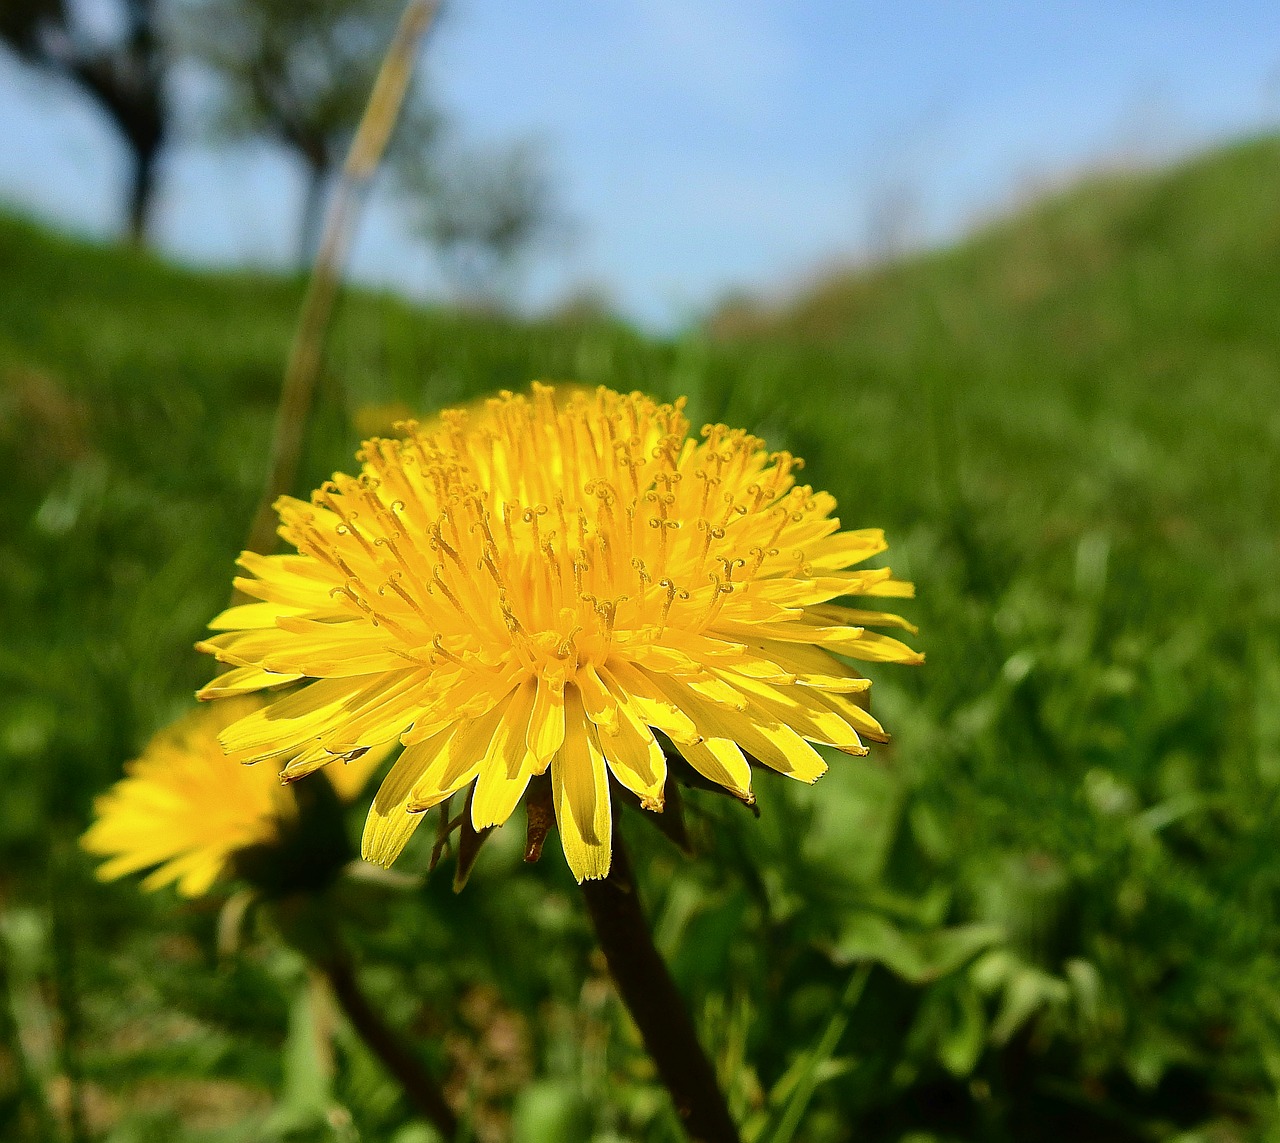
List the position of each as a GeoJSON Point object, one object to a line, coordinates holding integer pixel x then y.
{"type": "Point", "coordinates": [288, 580]}
{"type": "Point", "coordinates": [461, 761]}
{"type": "Point", "coordinates": [853, 714]}
{"type": "Point", "coordinates": [308, 761]}
{"type": "Point", "coordinates": [243, 680]}
{"type": "Point", "coordinates": [892, 588]}
{"type": "Point", "coordinates": [634, 757]}
{"type": "Point", "coordinates": [838, 614]}
{"type": "Point", "coordinates": [773, 743]}
{"type": "Point", "coordinates": [580, 791]}
{"type": "Point", "coordinates": [722, 762]}
{"type": "Point", "coordinates": [292, 720]}
{"type": "Point", "coordinates": [628, 684]}
{"type": "Point", "coordinates": [856, 642]}
{"type": "Point", "coordinates": [507, 765]}
{"type": "Point", "coordinates": [389, 825]}
{"type": "Point", "coordinates": [546, 723]}
{"type": "Point", "coordinates": [248, 616]}
{"type": "Point", "coordinates": [803, 710]}
{"type": "Point", "coordinates": [873, 648]}
{"type": "Point", "coordinates": [600, 705]}
{"type": "Point", "coordinates": [388, 717]}
{"type": "Point", "coordinates": [782, 749]}
{"type": "Point", "coordinates": [846, 548]}
{"type": "Point", "coordinates": [812, 666]}
{"type": "Point", "coordinates": [349, 776]}
{"type": "Point", "coordinates": [312, 712]}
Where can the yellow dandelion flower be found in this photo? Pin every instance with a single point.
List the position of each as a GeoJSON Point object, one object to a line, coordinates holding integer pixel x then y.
{"type": "Point", "coordinates": [544, 586]}
{"type": "Point", "coordinates": [188, 809]}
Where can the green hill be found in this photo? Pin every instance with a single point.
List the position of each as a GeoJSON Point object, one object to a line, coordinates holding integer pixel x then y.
{"type": "Point", "coordinates": [1134, 300]}
{"type": "Point", "coordinates": [1069, 426]}
{"type": "Point", "coordinates": [1093, 246]}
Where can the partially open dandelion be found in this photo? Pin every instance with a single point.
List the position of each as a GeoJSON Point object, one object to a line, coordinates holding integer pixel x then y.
{"type": "Point", "coordinates": [199, 816]}
{"type": "Point", "coordinates": [551, 585]}
{"type": "Point", "coordinates": [191, 812]}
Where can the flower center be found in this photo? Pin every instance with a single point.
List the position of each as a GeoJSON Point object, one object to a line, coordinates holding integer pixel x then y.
{"type": "Point", "coordinates": [550, 537]}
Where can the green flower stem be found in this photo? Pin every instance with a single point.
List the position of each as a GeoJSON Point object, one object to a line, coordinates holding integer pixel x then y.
{"type": "Point", "coordinates": [308, 924]}
{"type": "Point", "coordinates": [420, 1089]}
{"type": "Point", "coordinates": [655, 1004]}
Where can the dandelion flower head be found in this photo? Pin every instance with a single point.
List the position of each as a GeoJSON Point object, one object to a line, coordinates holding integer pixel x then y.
{"type": "Point", "coordinates": [187, 809]}
{"type": "Point", "coordinates": [543, 585]}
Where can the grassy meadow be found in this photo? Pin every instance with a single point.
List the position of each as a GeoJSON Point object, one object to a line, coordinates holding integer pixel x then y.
{"type": "Point", "coordinates": [1047, 911]}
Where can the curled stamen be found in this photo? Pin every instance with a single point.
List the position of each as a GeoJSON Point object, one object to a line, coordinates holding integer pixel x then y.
{"type": "Point", "coordinates": [482, 524]}
{"type": "Point", "coordinates": [346, 592]}
{"type": "Point", "coordinates": [729, 565]}
{"type": "Point", "coordinates": [551, 566]}
{"type": "Point", "coordinates": [393, 582]}
{"type": "Point", "coordinates": [722, 589]}
{"type": "Point", "coordinates": [509, 617]}
{"type": "Point", "coordinates": [646, 579]}
{"type": "Point", "coordinates": [559, 503]}
{"type": "Point", "coordinates": [671, 591]}
{"type": "Point", "coordinates": [567, 646]}
{"type": "Point", "coordinates": [783, 517]}
{"type": "Point", "coordinates": [439, 649]}
{"type": "Point", "coordinates": [489, 561]}
{"type": "Point", "coordinates": [438, 579]}
{"type": "Point", "coordinates": [607, 610]}
{"type": "Point", "coordinates": [439, 544]}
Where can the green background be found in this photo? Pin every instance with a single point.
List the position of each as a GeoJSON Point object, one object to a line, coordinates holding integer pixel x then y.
{"type": "Point", "coordinates": [1047, 911]}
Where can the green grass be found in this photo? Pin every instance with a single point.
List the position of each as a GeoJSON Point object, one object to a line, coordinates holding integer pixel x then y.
{"type": "Point", "coordinates": [1063, 869]}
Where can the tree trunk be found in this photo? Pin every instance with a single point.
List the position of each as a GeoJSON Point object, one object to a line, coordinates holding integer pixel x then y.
{"type": "Point", "coordinates": [142, 185]}
{"type": "Point", "coordinates": [125, 78]}
{"type": "Point", "coordinates": [130, 90]}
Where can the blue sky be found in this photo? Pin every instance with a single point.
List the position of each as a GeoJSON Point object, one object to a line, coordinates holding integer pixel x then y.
{"type": "Point", "coordinates": [706, 145]}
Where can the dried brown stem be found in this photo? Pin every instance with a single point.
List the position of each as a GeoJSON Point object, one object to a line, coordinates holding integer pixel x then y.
{"type": "Point", "coordinates": [306, 353]}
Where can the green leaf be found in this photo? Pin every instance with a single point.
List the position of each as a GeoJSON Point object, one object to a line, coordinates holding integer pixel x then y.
{"type": "Point", "coordinates": [551, 1112]}
{"type": "Point", "coordinates": [918, 957]}
{"type": "Point", "coordinates": [960, 1048]}
{"type": "Point", "coordinates": [307, 1057]}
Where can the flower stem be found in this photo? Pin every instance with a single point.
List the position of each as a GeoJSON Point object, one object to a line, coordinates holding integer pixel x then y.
{"type": "Point", "coordinates": [420, 1089]}
{"type": "Point", "coordinates": [655, 1004]}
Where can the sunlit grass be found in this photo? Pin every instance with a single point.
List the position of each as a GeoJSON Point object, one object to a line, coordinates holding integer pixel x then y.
{"type": "Point", "coordinates": [1066, 861]}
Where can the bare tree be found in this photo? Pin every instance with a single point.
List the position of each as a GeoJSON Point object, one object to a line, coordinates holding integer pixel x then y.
{"type": "Point", "coordinates": [483, 212]}
{"type": "Point", "coordinates": [124, 74]}
{"type": "Point", "coordinates": [299, 71]}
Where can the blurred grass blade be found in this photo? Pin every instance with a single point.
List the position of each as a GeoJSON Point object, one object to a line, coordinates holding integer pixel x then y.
{"type": "Point", "coordinates": [303, 368]}
{"type": "Point", "coordinates": [803, 1077]}
{"type": "Point", "coordinates": [27, 1022]}
{"type": "Point", "coordinates": [231, 921]}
